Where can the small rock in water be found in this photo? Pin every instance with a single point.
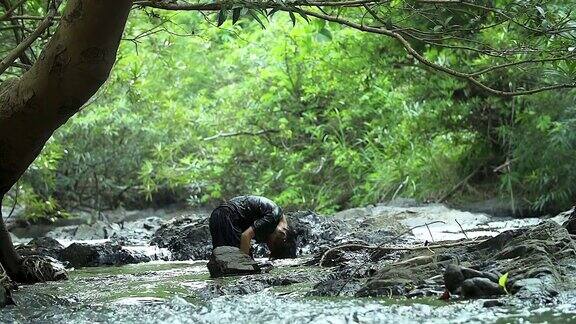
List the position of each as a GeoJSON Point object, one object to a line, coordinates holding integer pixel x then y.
{"type": "Point", "coordinates": [493, 303]}
{"type": "Point", "coordinates": [230, 261]}
{"type": "Point", "coordinates": [480, 288]}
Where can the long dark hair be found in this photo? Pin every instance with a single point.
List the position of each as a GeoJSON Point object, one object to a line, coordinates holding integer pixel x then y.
{"type": "Point", "coordinates": [285, 248]}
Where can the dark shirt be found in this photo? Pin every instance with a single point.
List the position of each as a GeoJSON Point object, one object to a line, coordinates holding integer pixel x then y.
{"type": "Point", "coordinates": [259, 212]}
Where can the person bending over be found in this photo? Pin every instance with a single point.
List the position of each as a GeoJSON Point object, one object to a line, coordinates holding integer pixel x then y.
{"type": "Point", "coordinates": [243, 218]}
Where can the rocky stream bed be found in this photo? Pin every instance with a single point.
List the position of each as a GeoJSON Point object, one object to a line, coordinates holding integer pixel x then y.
{"type": "Point", "coordinates": [387, 263]}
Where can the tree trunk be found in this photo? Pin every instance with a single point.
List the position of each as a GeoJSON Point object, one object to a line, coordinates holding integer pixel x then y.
{"type": "Point", "coordinates": [71, 68]}
{"type": "Point", "coordinates": [8, 257]}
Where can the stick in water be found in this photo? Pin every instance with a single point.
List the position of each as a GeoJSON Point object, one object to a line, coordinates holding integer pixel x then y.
{"type": "Point", "coordinates": [462, 229]}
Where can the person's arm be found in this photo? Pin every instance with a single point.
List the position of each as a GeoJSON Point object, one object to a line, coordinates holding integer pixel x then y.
{"type": "Point", "coordinates": [245, 240]}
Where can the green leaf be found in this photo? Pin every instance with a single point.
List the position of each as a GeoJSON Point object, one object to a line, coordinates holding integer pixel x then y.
{"type": "Point", "coordinates": [324, 35]}
{"type": "Point", "coordinates": [272, 12]}
{"type": "Point", "coordinates": [236, 15]}
{"type": "Point", "coordinates": [255, 16]}
{"type": "Point", "coordinates": [541, 11]}
{"type": "Point", "coordinates": [503, 280]}
{"type": "Point", "coordinates": [303, 15]}
{"type": "Point", "coordinates": [293, 18]}
{"type": "Point", "coordinates": [221, 17]}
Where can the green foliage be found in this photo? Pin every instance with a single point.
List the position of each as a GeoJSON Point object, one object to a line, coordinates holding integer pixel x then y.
{"type": "Point", "coordinates": [502, 281]}
{"type": "Point", "coordinates": [312, 115]}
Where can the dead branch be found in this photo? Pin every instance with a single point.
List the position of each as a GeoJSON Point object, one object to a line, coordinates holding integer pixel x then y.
{"type": "Point", "coordinates": [459, 185]}
{"type": "Point", "coordinates": [241, 133]}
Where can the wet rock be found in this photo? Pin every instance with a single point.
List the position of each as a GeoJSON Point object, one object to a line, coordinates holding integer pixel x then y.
{"type": "Point", "coordinates": [245, 288]}
{"type": "Point", "coordinates": [136, 232]}
{"type": "Point", "coordinates": [44, 246]}
{"type": "Point", "coordinates": [98, 230]}
{"type": "Point", "coordinates": [38, 268]}
{"type": "Point", "coordinates": [400, 278]}
{"type": "Point", "coordinates": [385, 287]}
{"type": "Point", "coordinates": [453, 278]}
{"type": "Point", "coordinates": [93, 255]}
{"type": "Point", "coordinates": [230, 261]}
{"type": "Point", "coordinates": [492, 303]}
{"type": "Point", "coordinates": [312, 231]}
{"type": "Point", "coordinates": [499, 241]}
{"type": "Point", "coordinates": [480, 288]}
{"type": "Point", "coordinates": [541, 289]}
{"type": "Point", "coordinates": [336, 287]}
{"type": "Point", "coordinates": [282, 281]}
{"type": "Point", "coordinates": [186, 238]}
{"type": "Point", "coordinates": [424, 292]}
{"type": "Point", "coordinates": [570, 224]}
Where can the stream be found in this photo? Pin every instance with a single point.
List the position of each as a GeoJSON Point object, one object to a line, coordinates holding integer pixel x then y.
{"type": "Point", "coordinates": [171, 292]}
{"type": "Point", "coordinates": [183, 292]}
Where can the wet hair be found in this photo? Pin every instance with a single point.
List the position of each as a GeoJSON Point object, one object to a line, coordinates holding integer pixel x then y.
{"type": "Point", "coordinates": [286, 246]}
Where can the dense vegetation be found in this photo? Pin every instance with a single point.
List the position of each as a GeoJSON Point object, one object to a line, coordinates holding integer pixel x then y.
{"type": "Point", "coordinates": [313, 116]}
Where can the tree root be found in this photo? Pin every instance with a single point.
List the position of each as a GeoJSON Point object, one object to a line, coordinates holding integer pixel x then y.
{"type": "Point", "coordinates": [6, 287]}
{"type": "Point", "coordinates": [36, 268]}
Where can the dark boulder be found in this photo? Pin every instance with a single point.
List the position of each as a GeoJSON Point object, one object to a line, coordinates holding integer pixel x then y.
{"type": "Point", "coordinates": [230, 261]}
{"type": "Point", "coordinates": [480, 288]}
{"type": "Point", "coordinates": [453, 278]}
{"type": "Point", "coordinates": [44, 246]}
{"type": "Point", "coordinates": [94, 255]}
{"type": "Point", "coordinates": [186, 238]}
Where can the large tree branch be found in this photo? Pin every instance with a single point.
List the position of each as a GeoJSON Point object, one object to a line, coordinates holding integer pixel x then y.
{"type": "Point", "coordinates": [71, 68]}
{"type": "Point", "coordinates": [73, 65]}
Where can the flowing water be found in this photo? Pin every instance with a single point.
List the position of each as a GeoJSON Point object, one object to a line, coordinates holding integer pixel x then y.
{"type": "Point", "coordinates": [182, 292]}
